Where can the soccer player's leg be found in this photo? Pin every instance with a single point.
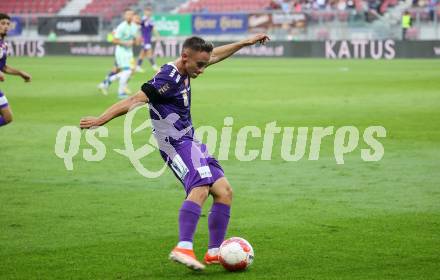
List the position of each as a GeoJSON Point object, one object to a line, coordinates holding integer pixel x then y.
{"type": "Point", "coordinates": [124, 60]}
{"type": "Point", "coordinates": [5, 110]}
{"type": "Point", "coordinates": [141, 60]}
{"type": "Point", "coordinates": [192, 169]}
{"type": "Point", "coordinates": [123, 83]}
{"type": "Point", "coordinates": [189, 215]}
{"type": "Point", "coordinates": [152, 59]}
{"type": "Point", "coordinates": [218, 218]}
{"type": "Point", "coordinates": [111, 76]}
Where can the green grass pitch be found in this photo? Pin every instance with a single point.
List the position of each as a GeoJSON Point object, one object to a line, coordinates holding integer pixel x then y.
{"type": "Point", "coordinates": [305, 219]}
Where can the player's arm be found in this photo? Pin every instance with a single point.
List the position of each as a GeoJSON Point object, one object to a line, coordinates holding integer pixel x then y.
{"type": "Point", "coordinates": [222, 52]}
{"type": "Point", "coordinates": [138, 40]}
{"type": "Point", "coordinates": [118, 109]}
{"type": "Point", "coordinates": [12, 71]}
{"type": "Point", "coordinates": [156, 33]}
{"type": "Point", "coordinates": [118, 41]}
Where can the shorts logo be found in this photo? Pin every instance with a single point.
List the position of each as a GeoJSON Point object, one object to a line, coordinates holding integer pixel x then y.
{"type": "Point", "coordinates": [179, 167]}
{"type": "Point", "coordinates": [204, 172]}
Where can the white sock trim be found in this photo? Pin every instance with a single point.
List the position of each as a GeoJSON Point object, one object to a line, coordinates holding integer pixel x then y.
{"type": "Point", "coordinates": [213, 251]}
{"type": "Point", "coordinates": [185, 245]}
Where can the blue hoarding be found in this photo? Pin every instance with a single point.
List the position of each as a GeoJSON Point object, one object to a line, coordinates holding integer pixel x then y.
{"type": "Point", "coordinates": [16, 26]}
{"type": "Point", "coordinates": [220, 23]}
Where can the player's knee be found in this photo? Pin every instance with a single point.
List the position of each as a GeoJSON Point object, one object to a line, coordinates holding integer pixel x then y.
{"type": "Point", "coordinates": [7, 118]}
{"type": "Point", "coordinates": [225, 194]}
{"type": "Point", "coordinates": [203, 194]}
{"type": "Point", "coordinates": [199, 194]}
{"type": "Point", "coordinates": [228, 193]}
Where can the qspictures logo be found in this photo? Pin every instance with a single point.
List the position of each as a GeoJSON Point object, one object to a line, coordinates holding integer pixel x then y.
{"type": "Point", "coordinates": [220, 142]}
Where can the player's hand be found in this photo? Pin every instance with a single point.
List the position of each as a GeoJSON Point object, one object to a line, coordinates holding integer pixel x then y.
{"type": "Point", "coordinates": [26, 77]}
{"type": "Point", "coordinates": [259, 38]}
{"type": "Point", "coordinates": [88, 122]}
{"type": "Point", "coordinates": [2, 77]}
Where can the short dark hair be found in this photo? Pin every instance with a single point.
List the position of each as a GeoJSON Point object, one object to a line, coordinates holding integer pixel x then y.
{"type": "Point", "coordinates": [198, 44]}
{"type": "Point", "coordinates": [4, 16]}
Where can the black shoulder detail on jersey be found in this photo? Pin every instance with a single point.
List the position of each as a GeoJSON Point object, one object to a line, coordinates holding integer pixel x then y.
{"type": "Point", "coordinates": [151, 92]}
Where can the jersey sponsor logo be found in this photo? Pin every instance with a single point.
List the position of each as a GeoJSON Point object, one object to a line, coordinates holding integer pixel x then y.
{"type": "Point", "coordinates": [185, 99]}
{"type": "Point", "coordinates": [185, 93]}
{"type": "Point", "coordinates": [179, 167]}
{"type": "Point", "coordinates": [204, 172]}
{"type": "Point", "coordinates": [164, 88]}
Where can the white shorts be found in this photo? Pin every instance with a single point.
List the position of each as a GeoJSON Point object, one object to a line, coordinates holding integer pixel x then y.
{"type": "Point", "coordinates": [3, 101]}
{"type": "Point", "coordinates": [124, 59]}
{"type": "Point", "coordinates": [147, 46]}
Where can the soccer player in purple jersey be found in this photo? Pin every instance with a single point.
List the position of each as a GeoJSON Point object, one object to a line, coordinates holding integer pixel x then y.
{"type": "Point", "coordinates": [147, 30]}
{"type": "Point", "coordinates": [169, 98]}
{"type": "Point", "coordinates": [5, 110]}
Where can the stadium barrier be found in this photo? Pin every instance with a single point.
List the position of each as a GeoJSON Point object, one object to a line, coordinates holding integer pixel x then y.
{"type": "Point", "coordinates": [307, 25]}
{"type": "Point", "coordinates": [16, 27]}
{"type": "Point", "coordinates": [345, 49]}
{"type": "Point", "coordinates": [69, 25]}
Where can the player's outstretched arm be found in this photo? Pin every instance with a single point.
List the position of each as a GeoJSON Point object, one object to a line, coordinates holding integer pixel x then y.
{"type": "Point", "coordinates": [12, 71]}
{"type": "Point", "coordinates": [156, 34]}
{"type": "Point", "coordinates": [222, 52]}
{"type": "Point", "coordinates": [118, 109]}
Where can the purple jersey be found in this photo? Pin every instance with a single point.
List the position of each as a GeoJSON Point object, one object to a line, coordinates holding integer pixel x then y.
{"type": "Point", "coordinates": [3, 53]}
{"type": "Point", "coordinates": [172, 113]}
{"type": "Point", "coordinates": [147, 26]}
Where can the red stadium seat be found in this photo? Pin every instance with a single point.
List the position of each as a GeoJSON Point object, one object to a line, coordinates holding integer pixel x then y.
{"type": "Point", "coordinates": [343, 16]}
{"type": "Point", "coordinates": [32, 6]}
{"type": "Point", "coordinates": [323, 34]}
{"type": "Point", "coordinates": [107, 8]}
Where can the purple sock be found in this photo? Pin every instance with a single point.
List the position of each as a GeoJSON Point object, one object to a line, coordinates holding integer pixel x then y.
{"type": "Point", "coordinates": [188, 218]}
{"type": "Point", "coordinates": [218, 223]}
{"type": "Point", "coordinates": [2, 121]}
